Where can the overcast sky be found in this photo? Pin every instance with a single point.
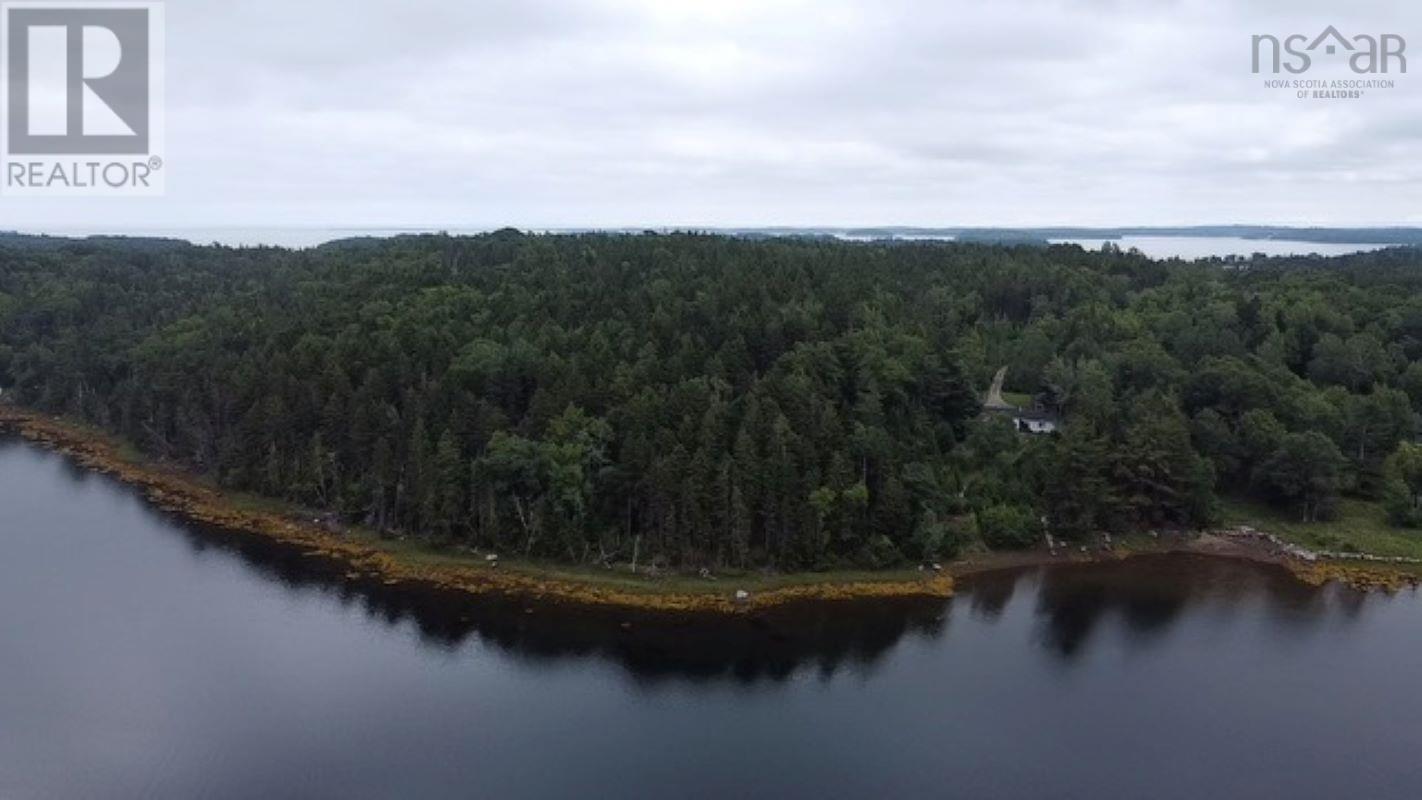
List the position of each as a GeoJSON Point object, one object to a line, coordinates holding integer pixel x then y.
{"type": "Point", "coordinates": [543, 113]}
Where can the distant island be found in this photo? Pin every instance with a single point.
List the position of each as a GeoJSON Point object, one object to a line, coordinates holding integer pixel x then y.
{"type": "Point", "coordinates": [702, 404]}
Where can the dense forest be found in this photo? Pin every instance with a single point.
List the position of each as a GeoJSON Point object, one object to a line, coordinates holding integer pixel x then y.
{"type": "Point", "coordinates": [718, 401]}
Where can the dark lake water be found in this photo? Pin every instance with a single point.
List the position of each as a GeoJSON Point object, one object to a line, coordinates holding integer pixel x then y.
{"type": "Point", "coordinates": [142, 657]}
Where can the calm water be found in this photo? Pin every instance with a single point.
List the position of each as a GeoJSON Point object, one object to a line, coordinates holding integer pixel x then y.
{"type": "Point", "coordinates": [140, 657]}
{"type": "Point", "coordinates": [1192, 247]}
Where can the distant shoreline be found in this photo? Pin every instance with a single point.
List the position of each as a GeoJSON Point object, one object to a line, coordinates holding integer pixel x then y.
{"type": "Point", "coordinates": [302, 237]}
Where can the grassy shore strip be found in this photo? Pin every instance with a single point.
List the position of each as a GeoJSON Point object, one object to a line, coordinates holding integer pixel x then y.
{"type": "Point", "coordinates": [391, 560]}
{"type": "Point", "coordinates": [1360, 527]}
{"type": "Point", "coordinates": [1364, 576]}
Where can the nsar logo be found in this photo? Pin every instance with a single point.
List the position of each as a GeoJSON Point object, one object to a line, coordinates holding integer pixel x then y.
{"type": "Point", "coordinates": [1366, 55]}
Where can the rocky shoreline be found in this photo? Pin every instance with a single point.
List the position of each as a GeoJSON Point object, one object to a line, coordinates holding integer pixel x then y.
{"type": "Point", "coordinates": [175, 491]}
{"type": "Point", "coordinates": [364, 559]}
{"type": "Point", "coordinates": [1361, 571]}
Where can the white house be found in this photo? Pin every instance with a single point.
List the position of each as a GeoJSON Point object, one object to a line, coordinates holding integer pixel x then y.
{"type": "Point", "coordinates": [1030, 421]}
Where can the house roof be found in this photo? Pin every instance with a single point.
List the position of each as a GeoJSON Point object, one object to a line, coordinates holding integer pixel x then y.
{"type": "Point", "coordinates": [1035, 415]}
{"type": "Point", "coordinates": [1029, 414]}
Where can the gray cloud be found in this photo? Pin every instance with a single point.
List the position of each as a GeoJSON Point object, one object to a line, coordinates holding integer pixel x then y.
{"type": "Point", "coordinates": [649, 112]}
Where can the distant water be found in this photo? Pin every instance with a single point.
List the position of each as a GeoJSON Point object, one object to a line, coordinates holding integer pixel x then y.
{"type": "Point", "coordinates": [1192, 247]}
{"type": "Point", "coordinates": [141, 657]}
{"type": "Point", "coordinates": [1186, 247]}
